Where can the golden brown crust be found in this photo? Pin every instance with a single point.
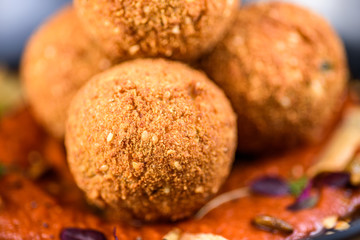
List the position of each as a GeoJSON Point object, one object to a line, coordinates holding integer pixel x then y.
{"type": "Point", "coordinates": [284, 70]}
{"type": "Point", "coordinates": [179, 29]}
{"type": "Point", "coordinates": [57, 61]}
{"type": "Point", "coordinates": [151, 138]}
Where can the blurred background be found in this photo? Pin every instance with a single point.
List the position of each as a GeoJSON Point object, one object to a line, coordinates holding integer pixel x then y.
{"type": "Point", "coordinates": [19, 18]}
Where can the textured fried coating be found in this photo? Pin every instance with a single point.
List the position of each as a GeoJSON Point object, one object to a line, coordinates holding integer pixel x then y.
{"type": "Point", "coordinates": [150, 139]}
{"type": "Point", "coordinates": [177, 29]}
{"type": "Point", "coordinates": [58, 60]}
{"type": "Point", "coordinates": [284, 70]}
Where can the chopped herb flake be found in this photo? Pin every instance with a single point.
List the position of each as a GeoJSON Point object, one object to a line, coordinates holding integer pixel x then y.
{"type": "Point", "coordinates": [114, 233]}
{"type": "Point", "coordinates": [81, 234]}
{"type": "Point", "coordinates": [304, 204]}
{"type": "Point", "coordinates": [297, 186]}
{"type": "Point", "coordinates": [306, 199]}
{"type": "Point", "coordinates": [332, 179]}
{"type": "Point", "coordinates": [270, 185]}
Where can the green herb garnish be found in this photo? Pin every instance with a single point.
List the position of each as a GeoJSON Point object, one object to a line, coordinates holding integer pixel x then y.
{"type": "Point", "coordinates": [297, 186]}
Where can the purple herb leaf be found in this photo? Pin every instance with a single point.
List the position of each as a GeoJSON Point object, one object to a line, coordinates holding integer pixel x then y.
{"type": "Point", "coordinates": [332, 179]}
{"type": "Point", "coordinates": [81, 234]}
{"type": "Point", "coordinates": [306, 192]}
{"type": "Point", "coordinates": [305, 199]}
{"type": "Point", "coordinates": [306, 203]}
{"type": "Point", "coordinates": [270, 185]}
{"type": "Point", "coordinates": [114, 233]}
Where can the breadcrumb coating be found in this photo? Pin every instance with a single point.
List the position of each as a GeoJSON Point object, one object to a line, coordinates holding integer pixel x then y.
{"type": "Point", "coordinates": [150, 139]}
{"type": "Point", "coordinates": [58, 60]}
{"type": "Point", "coordinates": [177, 29]}
{"type": "Point", "coordinates": [285, 72]}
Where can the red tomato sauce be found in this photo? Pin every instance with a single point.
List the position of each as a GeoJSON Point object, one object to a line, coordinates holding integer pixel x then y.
{"type": "Point", "coordinates": [40, 208]}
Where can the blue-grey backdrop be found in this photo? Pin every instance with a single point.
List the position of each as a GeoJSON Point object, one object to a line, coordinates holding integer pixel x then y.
{"type": "Point", "coordinates": [18, 18]}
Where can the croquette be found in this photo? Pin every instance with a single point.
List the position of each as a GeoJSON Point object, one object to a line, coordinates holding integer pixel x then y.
{"type": "Point", "coordinates": [176, 29]}
{"type": "Point", "coordinates": [285, 72]}
{"type": "Point", "coordinates": [150, 139]}
{"type": "Point", "coordinates": [57, 61]}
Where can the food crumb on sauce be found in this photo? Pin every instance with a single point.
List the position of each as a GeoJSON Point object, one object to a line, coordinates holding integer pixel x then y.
{"type": "Point", "coordinates": [329, 222]}
{"type": "Point", "coordinates": [177, 234]}
{"type": "Point", "coordinates": [342, 225]}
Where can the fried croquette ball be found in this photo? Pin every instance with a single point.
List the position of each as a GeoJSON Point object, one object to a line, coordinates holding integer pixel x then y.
{"type": "Point", "coordinates": [150, 139]}
{"type": "Point", "coordinates": [284, 70]}
{"type": "Point", "coordinates": [57, 61]}
{"type": "Point", "coordinates": [177, 29]}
